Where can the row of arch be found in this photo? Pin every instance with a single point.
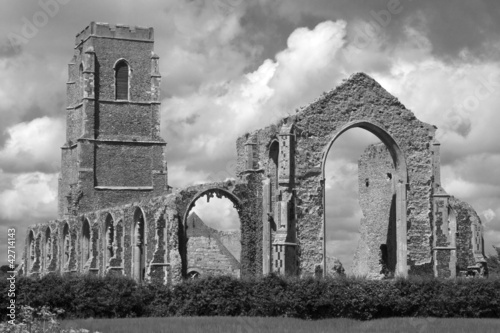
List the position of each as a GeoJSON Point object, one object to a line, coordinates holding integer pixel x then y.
{"type": "Point", "coordinates": [59, 249]}
{"type": "Point", "coordinates": [109, 245]}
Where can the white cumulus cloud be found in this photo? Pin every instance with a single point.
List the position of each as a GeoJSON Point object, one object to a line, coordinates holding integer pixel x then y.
{"type": "Point", "coordinates": [33, 146]}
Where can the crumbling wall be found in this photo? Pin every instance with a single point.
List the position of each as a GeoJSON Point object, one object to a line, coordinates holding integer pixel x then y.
{"type": "Point", "coordinates": [163, 262]}
{"type": "Point", "coordinates": [113, 164]}
{"type": "Point", "coordinates": [469, 242]}
{"type": "Point", "coordinates": [358, 102]}
{"type": "Point", "coordinates": [205, 251]}
{"type": "Point", "coordinates": [243, 195]}
{"type": "Point", "coordinates": [231, 239]}
{"type": "Point", "coordinates": [375, 255]}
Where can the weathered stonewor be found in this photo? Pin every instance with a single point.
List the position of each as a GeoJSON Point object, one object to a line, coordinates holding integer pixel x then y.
{"type": "Point", "coordinates": [113, 153]}
{"type": "Point", "coordinates": [458, 234]}
{"type": "Point", "coordinates": [208, 253]}
{"type": "Point", "coordinates": [118, 215]}
{"type": "Point", "coordinates": [407, 205]}
{"type": "Point", "coordinates": [376, 254]}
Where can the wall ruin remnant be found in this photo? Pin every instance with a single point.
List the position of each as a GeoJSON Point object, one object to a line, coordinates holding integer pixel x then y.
{"type": "Point", "coordinates": [211, 252]}
{"type": "Point", "coordinates": [118, 215]}
{"type": "Point", "coordinates": [376, 253]}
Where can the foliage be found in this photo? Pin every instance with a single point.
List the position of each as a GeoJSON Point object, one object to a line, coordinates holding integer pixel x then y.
{"type": "Point", "coordinates": [493, 262]}
{"type": "Point", "coordinates": [306, 298]}
{"type": "Point", "coordinates": [81, 296]}
{"type": "Point", "coordinates": [39, 320]}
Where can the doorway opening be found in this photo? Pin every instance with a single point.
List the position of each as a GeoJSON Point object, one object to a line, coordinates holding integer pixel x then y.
{"type": "Point", "coordinates": [365, 203]}
{"type": "Point", "coordinates": [213, 235]}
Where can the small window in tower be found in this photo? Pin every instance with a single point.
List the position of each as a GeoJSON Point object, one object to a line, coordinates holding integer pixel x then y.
{"type": "Point", "coordinates": [80, 78]}
{"type": "Point", "coordinates": [80, 73]}
{"type": "Point", "coordinates": [121, 80]}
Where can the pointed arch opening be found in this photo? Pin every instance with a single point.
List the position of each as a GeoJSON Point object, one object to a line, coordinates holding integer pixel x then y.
{"type": "Point", "coordinates": [47, 250]}
{"type": "Point", "coordinates": [394, 252]}
{"type": "Point", "coordinates": [31, 251]}
{"type": "Point", "coordinates": [108, 239]}
{"type": "Point", "coordinates": [85, 243]}
{"type": "Point", "coordinates": [212, 226]}
{"type": "Point", "coordinates": [66, 247]}
{"type": "Point", "coordinates": [81, 81]}
{"type": "Point", "coordinates": [138, 245]}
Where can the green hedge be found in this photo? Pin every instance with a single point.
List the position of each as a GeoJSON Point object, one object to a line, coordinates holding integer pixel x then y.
{"type": "Point", "coordinates": [89, 296]}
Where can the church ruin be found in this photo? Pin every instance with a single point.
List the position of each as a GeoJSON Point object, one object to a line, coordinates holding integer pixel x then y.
{"type": "Point", "coordinates": [118, 215]}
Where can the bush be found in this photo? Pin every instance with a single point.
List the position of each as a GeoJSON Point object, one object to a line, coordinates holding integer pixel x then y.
{"type": "Point", "coordinates": [308, 298]}
{"type": "Point", "coordinates": [80, 296]}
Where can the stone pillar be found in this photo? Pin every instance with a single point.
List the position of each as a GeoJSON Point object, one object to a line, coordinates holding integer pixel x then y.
{"type": "Point", "coordinates": [284, 245]}
{"type": "Point", "coordinates": [251, 154]}
{"type": "Point", "coordinates": [444, 235]}
{"type": "Point", "coordinates": [155, 78]}
{"type": "Point", "coordinates": [401, 231]}
{"type": "Point", "coordinates": [266, 227]}
{"type": "Point", "coordinates": [88, 74]}
{"type": "Point", "coordinates": [444, 248]}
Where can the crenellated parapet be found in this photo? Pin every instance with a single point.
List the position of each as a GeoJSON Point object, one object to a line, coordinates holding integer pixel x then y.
{"type": "Point", "coordinates": [115, 31]}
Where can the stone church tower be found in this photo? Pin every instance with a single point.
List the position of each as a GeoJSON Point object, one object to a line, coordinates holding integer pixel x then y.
{"type": "Point", "coordinates": [113, 152]}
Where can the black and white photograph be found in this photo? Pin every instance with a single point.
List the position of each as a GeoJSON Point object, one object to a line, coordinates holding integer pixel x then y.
{"type": "Point", "coordinates": [249, 166]}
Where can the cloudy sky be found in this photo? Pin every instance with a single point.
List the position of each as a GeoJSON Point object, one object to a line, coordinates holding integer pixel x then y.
{"type": "Point", "coordinates": [231, 66]}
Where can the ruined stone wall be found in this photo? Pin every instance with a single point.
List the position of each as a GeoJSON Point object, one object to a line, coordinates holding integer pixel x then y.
{"type": "Point", "coordinates": [469, 241]}
{"type": "Point", "coordinates": [166, 247]}
{"type": "Point", "coordinates": [375, 255]}
{"type": "Point", "coordinates": [361, 102]}
{"type": "Point", "coordinates": [243, 195]}
{"type": "Point", "coordinates": [461, 233]}
{"type": "Point", "coordinates": [231, 241]}
{"type": "Point", "coordinates": [161, 245]}
{"type": "Point", "coordinates": [206, 252]}
{"type": "Point", "coordinates": [114, 174]}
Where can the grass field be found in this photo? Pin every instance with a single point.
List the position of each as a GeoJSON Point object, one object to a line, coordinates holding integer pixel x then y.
{"type": "Point", "coordinates": [278, 325]}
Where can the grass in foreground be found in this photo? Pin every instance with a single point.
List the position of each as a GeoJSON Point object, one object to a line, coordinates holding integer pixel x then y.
{"type": "Point", "coordinates": [277, 325]}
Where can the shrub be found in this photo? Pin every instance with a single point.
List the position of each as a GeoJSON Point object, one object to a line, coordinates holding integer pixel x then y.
{"type": "Point", "coordinates": [308, 298]}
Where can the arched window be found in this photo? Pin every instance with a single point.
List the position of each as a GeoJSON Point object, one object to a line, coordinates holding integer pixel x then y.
{"type": "Point", "coordinates": [31, 251]}
{"type": "Point", "coordinates": [47, 250]}
{"type": "Point", "coordinates": [193, 274]}
{"type": "Point", "coordinates": [121, 80]}
{"type": "Point", "coordinates": [85, 245]}
{"type": "Point", "coordinates": [138, 248]}
{"type": "Point", "coordinates": [80, 79]}
{"type": "Point", "coordinates": [109, 231]}
{"type": "Point", "coordinates": [66, 252]}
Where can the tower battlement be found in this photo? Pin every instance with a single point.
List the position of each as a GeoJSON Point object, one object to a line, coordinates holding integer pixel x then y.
{"type": "Point", "coordinates": [106, 30]}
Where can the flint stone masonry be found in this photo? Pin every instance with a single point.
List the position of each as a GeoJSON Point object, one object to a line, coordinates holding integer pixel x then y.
{"type": "Point", "coordinates": [207, 254]}
{"type": "Point", "coordinates": [376, 253]}
{"type": "Point", "coordinates": [118, 215]}
{"type": "Point", "coordinates": [415, 198]}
